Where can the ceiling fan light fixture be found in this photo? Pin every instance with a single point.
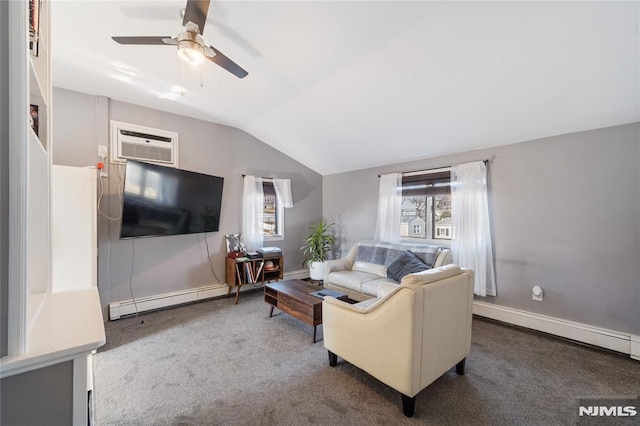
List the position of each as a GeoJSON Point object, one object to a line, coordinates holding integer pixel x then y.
{"type": "Point", "coordinates": [191, 48]}
{"type": "Point", "coordinates": [191, 52]}
{"type": "Point", "coordinates": [190, 44]}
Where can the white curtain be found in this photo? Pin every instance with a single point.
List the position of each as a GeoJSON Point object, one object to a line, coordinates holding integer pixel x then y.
{"type": "Point", "coordinates": [471, 243]}
{"type": "Point", "coordinates": [389, 205]}
{"type": "Point", "coordinates": [252, 212]}
{"type": "Point", "coordinates": [283, 192]}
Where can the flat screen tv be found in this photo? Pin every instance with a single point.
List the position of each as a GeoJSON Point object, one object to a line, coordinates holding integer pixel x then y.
{"type": "Point", "coordinates": [160, 200]}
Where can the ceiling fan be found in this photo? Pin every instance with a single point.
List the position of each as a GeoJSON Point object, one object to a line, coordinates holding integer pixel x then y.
{"type": "Point", "coordinates": [191, 47]}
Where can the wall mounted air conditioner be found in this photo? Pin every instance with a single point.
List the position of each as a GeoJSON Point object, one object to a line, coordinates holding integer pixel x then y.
{"type": "Point", "coordinates": [129, 141]}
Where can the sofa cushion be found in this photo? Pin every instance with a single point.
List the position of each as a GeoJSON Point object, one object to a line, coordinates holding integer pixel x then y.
{"type": "Point", "coordinates": [351, 280]}
{"type": "Point", "coordinates": [370, 268]}
{"type": "Point", "coordinates": [381, 253]}
{"type": "Point", "coordinates": [406, 264]}
{"type": "Point", "coordinates": [373, 253]}
{"type": "Point", "coordinates": [370, 288]}
{"type": "Point", "coordinates": [428, 254]}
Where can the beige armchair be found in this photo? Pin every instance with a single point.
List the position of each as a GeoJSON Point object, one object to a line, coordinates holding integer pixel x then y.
{"type": "Point", "coordinates": [410, 335]}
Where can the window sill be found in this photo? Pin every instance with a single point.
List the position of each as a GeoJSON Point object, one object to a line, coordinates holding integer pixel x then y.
{"type": "Point", "coordinates": [427, 241]}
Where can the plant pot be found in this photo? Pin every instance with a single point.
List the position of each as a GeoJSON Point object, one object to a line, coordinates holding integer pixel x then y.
{"type": "Point", "coordinates": [316, 271]}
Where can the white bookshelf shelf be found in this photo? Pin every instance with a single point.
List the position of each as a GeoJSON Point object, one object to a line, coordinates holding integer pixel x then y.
{"type": "Point", "coordinates": [68, 325]}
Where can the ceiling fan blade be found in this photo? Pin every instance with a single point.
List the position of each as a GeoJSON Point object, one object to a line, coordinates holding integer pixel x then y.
{"type": "Point", "coordinates": [226, 63]}
{"type": "Point", "coordinates": [162, 41]}
{"type": "Point", "coordinates": [196, 12]}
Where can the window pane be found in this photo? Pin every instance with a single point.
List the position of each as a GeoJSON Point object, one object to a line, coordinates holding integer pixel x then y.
{"type": "Point", "coordinates": [273, 214]}
{"type": "Point", "coordinates": [442, 217]}
{"type": "Point", "coordinates": [413, 217]}
{"type": "Point", "coordinates": [270, 218]}
{"type": "Point", "coordinates": [426, 206]}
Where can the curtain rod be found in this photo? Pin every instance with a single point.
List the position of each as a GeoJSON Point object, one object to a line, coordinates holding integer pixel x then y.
{"type": "Point", "coordinates": [435, 168]}
{"type": "Point", "coordinates": [261, 177]}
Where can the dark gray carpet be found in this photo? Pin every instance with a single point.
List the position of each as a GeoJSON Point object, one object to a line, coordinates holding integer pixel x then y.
{"type": "Point", "coordinates": [216, 363]}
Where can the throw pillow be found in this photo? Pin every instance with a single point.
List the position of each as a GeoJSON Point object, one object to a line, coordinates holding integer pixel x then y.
{"type": "Point", "coordinates": [406, 264]}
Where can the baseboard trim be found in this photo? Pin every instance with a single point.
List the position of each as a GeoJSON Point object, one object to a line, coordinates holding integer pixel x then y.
{"type": "Point", "coordinates": [635, 347]}
{"type": "Point", "coordinates": [143, 304]}
{"type": "Point", "coordinates": [123, 308]}
{"type": "Point", "coordinates": [608, 339]}
{"type": "Point", "coordinates": [300, 274]}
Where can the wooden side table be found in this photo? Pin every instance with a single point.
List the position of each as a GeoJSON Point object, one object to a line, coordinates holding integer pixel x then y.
{"type": "Point", "coordinates": [242, 270]}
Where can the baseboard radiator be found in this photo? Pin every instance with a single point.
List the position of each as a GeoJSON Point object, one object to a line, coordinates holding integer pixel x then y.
{"type": "Point", "coordinates": [620, 342]}
{"type": "Point", "coordinates": [124, 308]}
{"type": "Point", "coordinates": [608, 339]}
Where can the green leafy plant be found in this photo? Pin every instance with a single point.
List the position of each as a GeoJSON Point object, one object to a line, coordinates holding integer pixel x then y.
{"type": "Point", "coordinates": [318, 243]}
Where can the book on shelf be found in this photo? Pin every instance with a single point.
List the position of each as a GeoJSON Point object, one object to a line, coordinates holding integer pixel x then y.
{"type": "Point", "coordinates": [249, 273]}
{"type": "Point", "coordinates": [34, 15]}
{"type": "Point", "coordinates": [259, 269]}
{"type": "Point", "coordinates": [34, 26]}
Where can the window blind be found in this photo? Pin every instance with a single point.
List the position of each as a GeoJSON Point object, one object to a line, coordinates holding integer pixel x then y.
{"type": "Point", "coordinates": [428, 184]}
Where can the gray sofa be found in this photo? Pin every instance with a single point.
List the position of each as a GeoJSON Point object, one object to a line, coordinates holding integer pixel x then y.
{"type": "Point", "coordinates": [364, 269]}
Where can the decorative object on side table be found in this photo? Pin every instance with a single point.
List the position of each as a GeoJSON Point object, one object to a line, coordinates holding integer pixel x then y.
{"type": "Point", "coordinates": [33, 118]}
{"type": "Point", "coordinates": [316, 246]}
{"type": "Point", "coordinates": [235, 243]}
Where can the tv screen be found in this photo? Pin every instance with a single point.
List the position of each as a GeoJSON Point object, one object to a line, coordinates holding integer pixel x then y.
{"type": "Point", "coordinates": [159, 200]}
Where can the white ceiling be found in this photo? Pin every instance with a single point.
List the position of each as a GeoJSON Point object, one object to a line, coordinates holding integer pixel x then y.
{"type": "Point", "coordinates": [342, 86]}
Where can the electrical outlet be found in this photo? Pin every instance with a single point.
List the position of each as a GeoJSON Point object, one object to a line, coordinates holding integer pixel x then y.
{"type": "Point", "coordinates": [102, 151]}
{"type": "Point", "coordinates": [536, 293]}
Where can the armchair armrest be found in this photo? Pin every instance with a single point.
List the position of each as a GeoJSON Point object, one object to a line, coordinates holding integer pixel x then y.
{"type": "Point", "coordinates": [363, 307]}
{"type": "Point", "coordinates": [339, 304]}
{"type": "Point", "coordinates": [429, 276]}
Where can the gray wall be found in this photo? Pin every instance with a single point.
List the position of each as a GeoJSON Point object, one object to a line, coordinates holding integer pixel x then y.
{"type": "Point", "coordinates": [167, 264]}
{"type": "Point", "coordinates": [4, 176]}
{"type": "Point", "coordinates": [39, 397]}
{"type": "Point", "coordinates": [565, 214]}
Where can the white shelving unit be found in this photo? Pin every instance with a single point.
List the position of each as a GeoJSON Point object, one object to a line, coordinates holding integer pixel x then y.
{"type": "Point", "coordinates": [50, 321]}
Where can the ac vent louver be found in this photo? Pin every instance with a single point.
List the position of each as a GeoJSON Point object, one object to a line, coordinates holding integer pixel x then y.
{"type": "Point", "coordinates": [130, 141]}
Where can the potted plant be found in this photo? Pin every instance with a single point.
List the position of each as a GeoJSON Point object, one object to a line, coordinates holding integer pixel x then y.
{"type": "Point", "coordinates": [316, 246]}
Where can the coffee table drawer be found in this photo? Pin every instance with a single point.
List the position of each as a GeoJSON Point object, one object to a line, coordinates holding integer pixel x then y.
{"type": "Point", "coordinates": [309, 314]}
{"type": "Point", "coordinates": [293, 298]}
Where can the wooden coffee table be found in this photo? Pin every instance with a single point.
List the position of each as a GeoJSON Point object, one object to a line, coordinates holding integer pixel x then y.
{"type": "Point", "coordinates": [293, 298]}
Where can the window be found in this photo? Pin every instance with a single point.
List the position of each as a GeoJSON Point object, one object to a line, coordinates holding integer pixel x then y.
{"type": "Point", "coordinates": [273, 221]}
{"type": "Point", "coordinates": [426, 200]}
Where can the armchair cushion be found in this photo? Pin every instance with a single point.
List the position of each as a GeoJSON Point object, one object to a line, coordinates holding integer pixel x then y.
{"type": "Point", "coordinates": [406, 264]}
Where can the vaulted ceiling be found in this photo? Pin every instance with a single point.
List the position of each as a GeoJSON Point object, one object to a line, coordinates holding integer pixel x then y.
{"type": "Point", "coordinates": [346, 85]}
